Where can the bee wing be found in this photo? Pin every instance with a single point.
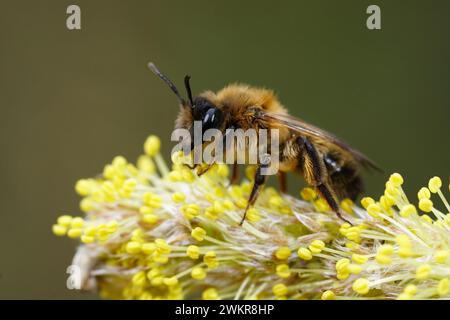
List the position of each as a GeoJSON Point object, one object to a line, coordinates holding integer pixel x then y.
{"type": "Point", "coordinates": [307, 129]}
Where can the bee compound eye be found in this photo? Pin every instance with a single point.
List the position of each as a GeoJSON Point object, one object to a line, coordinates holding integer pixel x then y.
{"type": "Point", "coordinates": [212, 118]}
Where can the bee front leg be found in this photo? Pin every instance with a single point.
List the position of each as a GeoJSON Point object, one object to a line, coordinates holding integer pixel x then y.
{"type": "Point", "coordinates": [257, 185]}
{"type": "Point", "coordinates": [315, 173]}
{"type": "Point", "coordinates": [234, 174]}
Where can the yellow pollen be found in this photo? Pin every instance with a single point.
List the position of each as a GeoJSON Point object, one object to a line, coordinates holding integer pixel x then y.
{"type": "Point", "coordinates": [152, 145]}
{"type": "Point", "coordinates": [424, 193]}
{"type": "Point", "coordinates": [361, 286]}
{"type": "Point", "coordinates": [283, 271]}
{"type": "Point", "coordinates": [435, 184]}
{"type": "Point", "coordinates": [283, 253]}
{"type": "Point", "coordinates": [198, 233]}
{"type": "Point", "coordinates": [280, 290]}
{"type": "Point", "coordinates": [198, 273]}
{"type": "Point", "coordinates": [328, 295]}
{"type": "Point", "coordinates": [425, 205]}
{"type": "Point", "coordinates": [193, 252]}
{"type": "Point", "coordinates": [423, 271]}
{"type": "Point", "coordinates": [408, 210]}
{"type": "Point", "coordinates": [304, 253]}
{"type": "Point", "coordinates": [210, 294]}
{"type": "Point", "coordinates": [308, 194]}
{"type": "Point", "coordinates": [443, 287]}
{"type": "Point", "coordinates": [396, 179]}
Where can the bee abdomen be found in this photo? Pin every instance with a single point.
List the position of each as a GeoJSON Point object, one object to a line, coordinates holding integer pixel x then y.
{"type": "Point", "coordinates": [344, 178]}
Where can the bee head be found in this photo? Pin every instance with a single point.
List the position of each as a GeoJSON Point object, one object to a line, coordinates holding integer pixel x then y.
{"type": "Point", "coordinates": [201, 108]}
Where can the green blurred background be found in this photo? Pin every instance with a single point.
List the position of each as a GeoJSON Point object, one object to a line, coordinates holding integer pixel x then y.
{"type": "Point", "coordinates": [72, 100]}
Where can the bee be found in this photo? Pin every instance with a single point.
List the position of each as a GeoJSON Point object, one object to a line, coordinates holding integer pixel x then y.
{"type": "Point", "coordinates": [327, 163]}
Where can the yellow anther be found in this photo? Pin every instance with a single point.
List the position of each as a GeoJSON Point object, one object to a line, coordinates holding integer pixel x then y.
{"type": "Point", "coordinates": [383, 259]}
{"type": "Point", "coordinates": [253, 215]}
{"type": "Point", "coordinates": [87, 239]}
{"type": "Point", "coordinates": [359, 258]}
{"type": "Point", "coordinates": [178, 197]}
{"type": "Point", "coordinates": [276, 201]}
{"type": "Point", "coordinates": [190, 210]}
{"type": "Point", "coordinates": [408, 210]}
{"type": "Point", "coordinates": [87, 204]}
{"type": "Point", "coordinates": [374, 210]}
{"type": "Point", "coordinates": [396, 179]}
{"type": "Point", "coordinates": [145, 210]}
{"type": "Point", "coordinates": [170, 282]}
{"type": "Point", "coordinates": [425, 205]}
{"type": "Point", "coordinates": [391, 190]}
{"type": "Point", "coordinates": [145, 164]}
{"type": "Point", "coordinates": [423, 271]}
{"type": "Point", "coordinates": [343, 275]}
{"type": "Point", "coordinates": [410, 289]}
{"type": "Point", "coordinates": [210, 294]}
{"type": "Point", "coordinates": [347, 205]}
{"type": "Point", "coordinates": [321, 205]}
{"type": "Point", "coordinates": [354, 268]}
{"type": "Point", "coordinates": [198, 233]}
{"type": "Point", "coordinates": [210, 259]}
{"type": "Point", "coordinates": [59, 230]}
{"type": "Point", "coordinates": [403, 240]}
{"type": "Point", "coordinates": [84, 187]}
{"type": "Point", "coordinates": [344, 228]}
{"type": "Point", "coordinates": [157, 281]}
{"type": "Point", "coordinates": [424, 193]}
{"type": "Point", "coordinates": [426, 218]}
{"type": "Point", "coordinates": [280, 290]}
{"type": "Point", "coordinates": [133, 247]}
{"type": "Point", "coordinates": [152, 273]}
{"type": "Point", "coordinates": [162, 247]}
{"type": "Point", "coordinates": [283, 271]}
{"type": "Point", "coordinates": [435, 184]}
{"type": "Point", "coordinates": [304, 253]}
{"type": "Point", "coordinates": [198, 273]}
{"type": "Point", "coordinates": [328, 295]}
{"type": "Point", "coordinates": [386, 249]}
{"type": "Point", "coordinates": [77, 222]}
{"type": "Point", "coordinates": [361, 286]}
{"type": "Point", "coordinates": [443, 287]}
{"type": "Point", "coordinates": [441, 256]}
{"type": "Point", "coordinates": [222, 170]}
{"type": "Point", "coordinates": [152, 145]}
{"type": "Point", "coordinates": [64, 220]}
{"type": "Point", "coordinates": [139, 279]}
{"type": "Point", "coordinates": [404, 296]}
{"type": "Point", "coordinates": [316, 246]}
{"type": "Point", "coordinates": [387, 202]}
{"type": "Point", "coordinates": [250, 172]}
{"type": "Point", "coordinates": [177, 157]}
{"type": "Point", "coordinates": [74, 233]}
{"type": "Point", "coordinates": [367, 201]}
{"type": "Point", "coordinates": [283, 253]}
{"type": "Point", "coordinates": [148, 248]}
{"type": "Point", "coordinates": [193, 252]}
{"type": "Point", "coordinates": [160, 257]}
{"type": "Point", "coordinates": [342, 265]}
{"type": "Point", "coordinates": [150, 218]}
{"type": "Point", "coordinates": [308, 194]}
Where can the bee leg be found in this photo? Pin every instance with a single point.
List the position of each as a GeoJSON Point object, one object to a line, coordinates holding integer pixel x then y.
{"type": "Point", "coordinates": [282, 181]}
{"type": "Point", "coordinates": [235, 174]}
{"type": "Point", "coordinates": [257, 184]}
{"type": "Point", "coordinates": [315, 173]}
{"type": "Point", "coordinates": [327, 193]}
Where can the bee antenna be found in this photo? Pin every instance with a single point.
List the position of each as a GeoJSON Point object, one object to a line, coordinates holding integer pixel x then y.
{"type": "Point", "coordinates": [164, 78]}
{"type": "Point", "coordinates": [188, 89]}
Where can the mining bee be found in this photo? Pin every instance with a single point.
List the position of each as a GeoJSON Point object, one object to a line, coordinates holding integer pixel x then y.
{"type": "Point", "coordinates": [326, 162]}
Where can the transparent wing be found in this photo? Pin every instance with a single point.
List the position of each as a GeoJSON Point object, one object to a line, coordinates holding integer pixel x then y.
{"type": "Point", "coordinates": [307, 129]}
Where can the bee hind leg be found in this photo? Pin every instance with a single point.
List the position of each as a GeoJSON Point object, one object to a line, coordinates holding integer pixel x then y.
{"type": "Point", "coordinates": [316, 174]}
{"type": "Point", "coordinates": [327, 194]}
{"type": "Point", "coordinates": [259, 181]}
{"type": "Point", "coordinates": [282, 181]}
